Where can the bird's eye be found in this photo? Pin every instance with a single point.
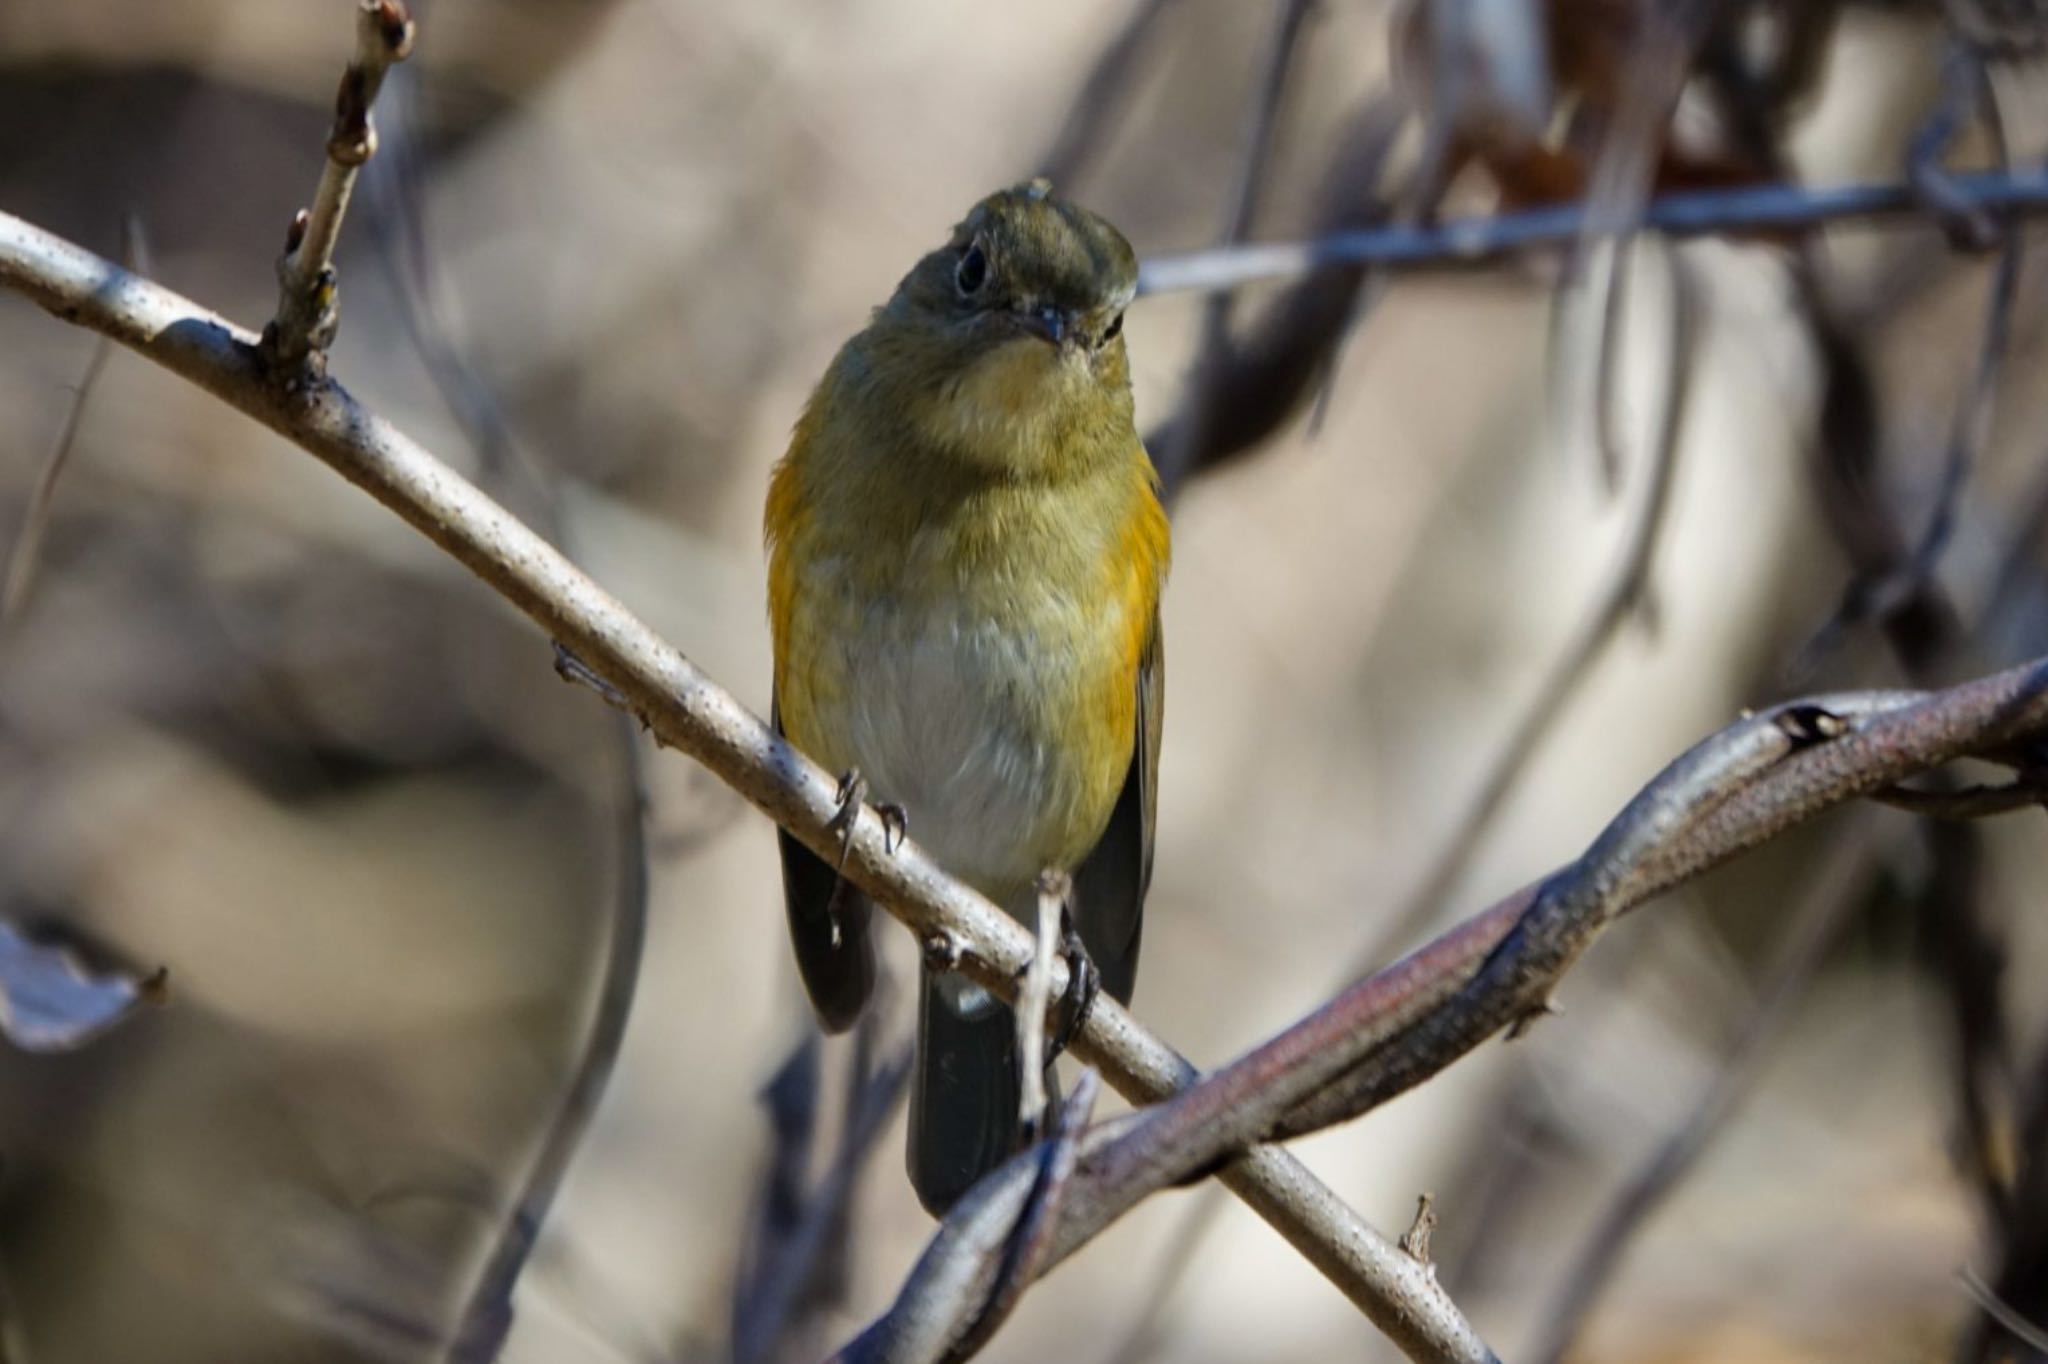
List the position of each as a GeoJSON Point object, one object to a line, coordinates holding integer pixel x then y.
{"type": "Point", "coordinates": [1116, 329]}
{"type": "Point", "coordinates": [972, 272]}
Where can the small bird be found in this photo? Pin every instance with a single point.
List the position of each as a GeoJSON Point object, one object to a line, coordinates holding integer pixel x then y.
{"type": "Point", "coordinates": [966, 551]}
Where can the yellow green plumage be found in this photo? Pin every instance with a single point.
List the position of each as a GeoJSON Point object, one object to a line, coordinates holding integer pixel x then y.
{"type": "Point", "coordinates": [966, 550]}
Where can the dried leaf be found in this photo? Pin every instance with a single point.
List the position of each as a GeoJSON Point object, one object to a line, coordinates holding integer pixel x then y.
{"type": "Point", "coordinates": [51, 1001]}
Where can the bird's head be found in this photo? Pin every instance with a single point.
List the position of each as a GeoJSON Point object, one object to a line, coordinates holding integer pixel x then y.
{"type": "Point", "coordinates": [1011, 334]}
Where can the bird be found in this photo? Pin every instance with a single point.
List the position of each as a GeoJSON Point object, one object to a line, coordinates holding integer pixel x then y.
{"type": "Point", "coordinates": [966, 552]}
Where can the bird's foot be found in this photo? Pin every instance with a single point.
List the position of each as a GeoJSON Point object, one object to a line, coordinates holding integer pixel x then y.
{"type": "Point", "coordinates": [895, 824]}
{"type": "Point", "coordinates": [1084, 984]}
{"type": "Point", "coordinates": [851, 796]}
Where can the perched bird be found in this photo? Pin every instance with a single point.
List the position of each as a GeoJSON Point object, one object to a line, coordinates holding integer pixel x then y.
{"type": "Point", "coordinates": [966, 549]}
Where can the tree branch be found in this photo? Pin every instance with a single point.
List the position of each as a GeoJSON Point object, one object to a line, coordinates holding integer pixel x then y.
{"type": "Point", "coordinates": [1482, 240]}
{"type": "Point", "coordinates": [686, 710]}
{"type": "Point", "coordinates": [306, 317]}
{"type": "Point", "coordinates": [1732, 791]}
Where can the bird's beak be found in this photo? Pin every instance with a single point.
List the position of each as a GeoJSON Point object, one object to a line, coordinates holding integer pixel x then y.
{"type": "Point", "coordinates": [1047, 323]}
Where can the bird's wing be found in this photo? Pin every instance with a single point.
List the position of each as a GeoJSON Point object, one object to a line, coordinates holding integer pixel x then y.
{"type": "Point", "coordinates": [1110, 884]}
{"type": "Point", "coordinates": [834, 951]}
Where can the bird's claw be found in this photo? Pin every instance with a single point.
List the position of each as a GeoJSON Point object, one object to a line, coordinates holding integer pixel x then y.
{"type": "Point", "coordinates": [895, 825]}
{"type": "Point", "coordinates": [851, 794]}
{"type": "Point", "coordinates": [1084, 984]}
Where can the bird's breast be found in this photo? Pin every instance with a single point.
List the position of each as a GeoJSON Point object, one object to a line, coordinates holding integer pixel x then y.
{"type": "Point", "coordinates": [996, 708]}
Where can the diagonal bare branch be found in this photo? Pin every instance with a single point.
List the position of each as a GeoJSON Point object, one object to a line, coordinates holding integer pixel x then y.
{"type": "Point", "coordinates": [1815, 922]}
{"type": "Point", "coordinates": [686, 710]}
{"type": "Point", "coordinates": [1463, 243]}
{"type": "Point", "coordinates": [1734, 790]}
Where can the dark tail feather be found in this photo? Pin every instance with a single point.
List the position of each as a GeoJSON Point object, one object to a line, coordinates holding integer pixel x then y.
{"type": "Point", "coordinates": [964, 1097]}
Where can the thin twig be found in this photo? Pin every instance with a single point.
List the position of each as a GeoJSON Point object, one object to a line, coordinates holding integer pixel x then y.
{"type": "Point", "coordinates": [1970, 428]}
{"type": "Point", "coordinates": [1467, 242]}
{"type": "Point", "coordinates": [792, 1101]}
{"type": "Point", "coordinates": [1621, 591]}
{"type": "Point", "coordinates": [1965, 90]}
{"type": "Point", "coordinates": [1109, 82]}
{"type": "Point", "coordinates": [1891, 586]}
{"type": "Point", "coordinates": [1214, 342]}
{"type": "Point", "coordinates": [306, 317]}
{"type": "Point", "coordinates": [786, 1271]}
{"type": "Point", "coordinates": [2027, 1333]}
{"type": "Point", "coordinates": [395, 187]}
{"type": "Point", "coordinates": [1621, 183]}
{"type": "Point", "coordinates": [684, 709]}
{"type": "Point", "coordinates": [486, 1317]}
{"type": "Point", "coordinates": [2016, 1303]}
{"type": "Point", "coordinates": [1282, 357]}
{"type": "Point", "coordinates": [1815, 922]}
{"type": "Point", "coordinates": [35, 517]}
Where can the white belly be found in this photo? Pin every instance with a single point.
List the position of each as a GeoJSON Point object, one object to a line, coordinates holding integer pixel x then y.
{"type": "Point", "coordinates": [942, 713]}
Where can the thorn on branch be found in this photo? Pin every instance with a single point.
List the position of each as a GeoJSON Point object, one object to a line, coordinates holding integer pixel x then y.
{"type": "Point", "coordinates": [1415, 1240]}
{"type": "Point", "coordinates": [1547, 1008]}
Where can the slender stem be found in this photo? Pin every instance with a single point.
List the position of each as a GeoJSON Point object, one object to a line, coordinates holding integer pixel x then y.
{"type": "Point", "coordinates": [1816, 921]}
{"type": "Point", "coordinates": [306, 317]}
{"type": "Point", "coordinates": [35, 517]}
{"type": "Point", "coordinates": [1481, 240]}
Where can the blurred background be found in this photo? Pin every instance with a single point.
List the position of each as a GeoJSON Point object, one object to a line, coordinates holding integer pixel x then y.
{"type": "Point", "coordinates": [255, 731]}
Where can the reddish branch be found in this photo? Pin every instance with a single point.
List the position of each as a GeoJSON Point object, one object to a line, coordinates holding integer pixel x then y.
{"type": "Point", "coordinates": [1740, 787]}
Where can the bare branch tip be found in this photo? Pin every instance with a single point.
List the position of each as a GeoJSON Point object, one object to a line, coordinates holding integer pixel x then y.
{"type": "Point", "coordinates": [391, 26]}
{"type": "Point", "coordinates": [1415, 1241]}
{"type": "Point", "coordinates": [1548, 1008]}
